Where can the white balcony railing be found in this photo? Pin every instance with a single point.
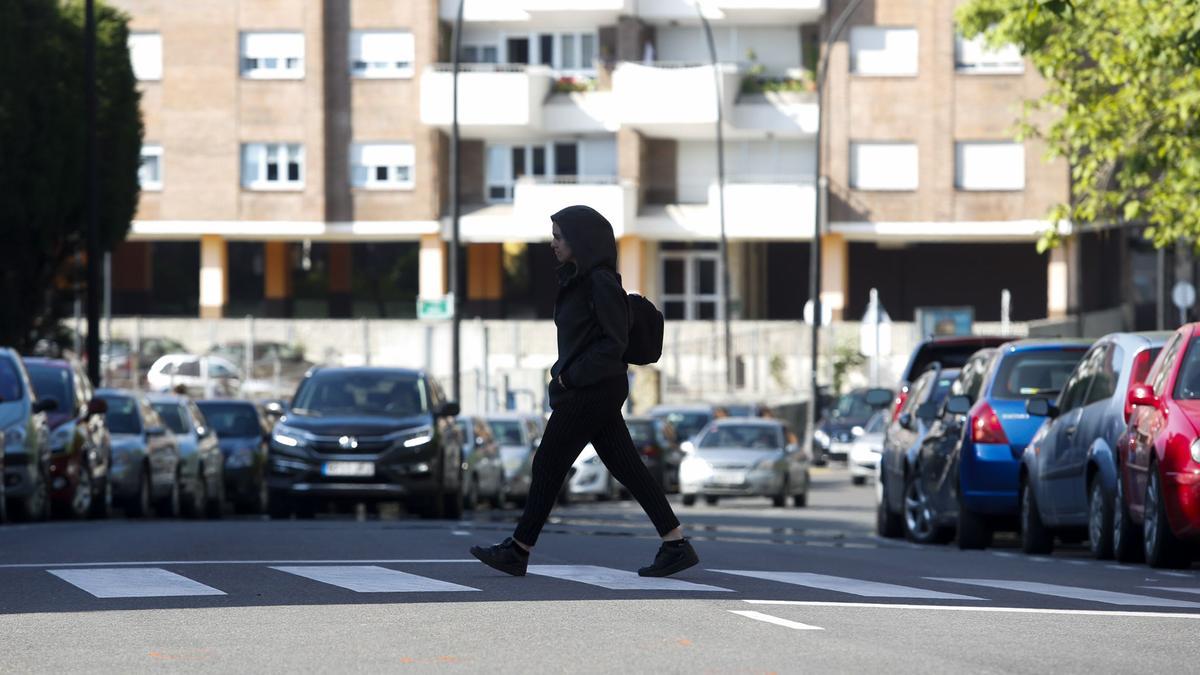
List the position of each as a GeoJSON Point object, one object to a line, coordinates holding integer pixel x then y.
{"type": "Point", "coordinates": [663, 96]}
{"type": "Point", "coordinates": [584, 12]}
{"type": "Point", "coordinates": [534, 200]}
{"type": "Point", "coordinates": [767, 207]}
{"type": "Point", "coordinates": [734, 11]}
{"type": "Point", "coordinates": [491, 97]}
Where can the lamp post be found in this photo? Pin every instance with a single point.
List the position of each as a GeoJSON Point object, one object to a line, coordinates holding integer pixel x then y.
{"type": "Point", "coordinates": [723, 246]}
{"type": "Point", "coordinates": [814, 268]}
{"type": "Point", "coordinates": [455, 177]}
{"type": "Point", "coordinates": [91, 195]}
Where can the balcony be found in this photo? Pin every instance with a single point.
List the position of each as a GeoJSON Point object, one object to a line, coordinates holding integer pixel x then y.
{"type": "Point", "coordinates": [582, 12]}
{"type": "Point", "coordinates": [527, 218]}
{"type": "Point", "coordinates": [735, 11]}
{"type": "Point", "coordinates": [673, 100]}
{"type": "Point", "coordinates": [493, 99]}
{"type": "Point", "coordinates": [781, 114]}
{"type": "Point", "coordinates": [766, 207]}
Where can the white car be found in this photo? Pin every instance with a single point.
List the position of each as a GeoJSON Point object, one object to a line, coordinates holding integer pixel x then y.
{"type": "Point", "coordinates": [203, 376]}
{"type": "Point", "coordinates": [744, 457]}
{"type": "Point", "coordinates": [866, 448]}
{"type": "Point", "coordinates": [590, 478]}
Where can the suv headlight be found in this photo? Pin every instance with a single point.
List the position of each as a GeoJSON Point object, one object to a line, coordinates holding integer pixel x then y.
{"type": "Point", "coordinates": [290, 437]}
{"type": "Point", "coordinates": [61, 436]}
{"type": "Point", "coordinates": [414, 438]}
{"type": "Point", "coordinates": [821, 437]}
{"type": "Point", "coordinates": [14, 438]}
{"type": "Point", "coordinates": [1196, 450]}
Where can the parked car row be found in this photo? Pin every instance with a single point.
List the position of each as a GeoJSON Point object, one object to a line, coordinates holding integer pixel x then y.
{"type": "Point", "coordinates": [1063, 440]}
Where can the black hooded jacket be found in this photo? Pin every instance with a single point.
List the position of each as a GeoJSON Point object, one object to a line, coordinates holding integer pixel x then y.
{"type": "Point", "coordinates": [591, 311]}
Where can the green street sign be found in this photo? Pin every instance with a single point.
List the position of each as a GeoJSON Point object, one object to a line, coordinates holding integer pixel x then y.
{"type": "Point", "coordinates": [435, 308]}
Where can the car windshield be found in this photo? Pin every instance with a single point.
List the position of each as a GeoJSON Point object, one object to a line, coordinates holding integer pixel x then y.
{"type": "Point", "coordinates": [230, 418]}
{"type": "Point", "coordinates": [1027, 374]}
{"type": "Point", "coordinates": [507, 432]}
{"type": "Point", "coordinates": [10, 381]}
{"type": "Point", "coordinates": [1187, 384]}
{"type": "Point", "coordinates": [51, 382]}
{"type": "Point", "coordinates": [641, 431]}
{"type": "Point", "coordinates": [172, 415]}
{"type": "Point", "coordinates": [379, 394]}
{"type": "Point", "coordinates": [852, 406]}
{"type": "Point", "coordinates": [756, 436]}
{"type": "Point", "coordinates": [687, 424]}
{"type": "Point", "coordinates": [122, 416]}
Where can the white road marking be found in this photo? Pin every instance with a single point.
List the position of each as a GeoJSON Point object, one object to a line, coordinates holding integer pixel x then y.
{"type": "Point", "coordinates": [1120, 567]}
{"type": "Point", "coordinates": [1073, 592]}
{"type": "Point", "coordinates": [1185, 575]}
{"type": "Point", "coordinates": [1175, 589]}
{"type": "Point", "coordinates": [150, 582]}
{"type": "Point", "coordinates": [373, 579]}
{"type": "Point", "coordinates": [617, 580]}
{"type": "Point", "coordinates": [866, 589]}
{"type": "Point", "coordinates": [968, 608]}
{"type": "Point", "coordinates": [385, 561]}
{"type": "Point", "coordinates": [767, 618]}
{"type": "Point", "coordinates": [460, 533]}
{"type": "Point", "coordinates": [1076, 562]}
{"type": "Point", "coordinates": [1004, 554]}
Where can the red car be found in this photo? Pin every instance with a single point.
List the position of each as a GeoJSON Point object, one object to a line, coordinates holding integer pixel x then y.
{"type": "Point", "coordinates": [1159, 486]}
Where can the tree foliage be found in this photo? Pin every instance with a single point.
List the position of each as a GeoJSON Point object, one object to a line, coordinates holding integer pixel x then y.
{"type": "Point", "coordinates": [1122, 104]}
{"type": "Point", "coordinates": [42, 153]}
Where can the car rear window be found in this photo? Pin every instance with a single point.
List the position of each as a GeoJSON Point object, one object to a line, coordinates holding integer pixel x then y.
{"type": "Point", "coordinates": [122, 416]}
{"type": "Point", "coordinates": [642, 432]}
{"type": "Point", "coordinates": [173, 416]}
{"type": "Point", "coordinates": [954, 355]}
{"type": "Point", "coordinates": [507, 432]}
{"type": "Point", "coordinates": [51, 382]}
{"type": "Point", "coordinates": [231, 419]}
{"type": "Point", "coordinates": [1031, 373]}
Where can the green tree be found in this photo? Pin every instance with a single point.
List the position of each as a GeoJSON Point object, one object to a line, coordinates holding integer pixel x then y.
{"type": "Point", "coordinates": [42, 145]}
{"type": "Point", "coordinates": [1122, 103]}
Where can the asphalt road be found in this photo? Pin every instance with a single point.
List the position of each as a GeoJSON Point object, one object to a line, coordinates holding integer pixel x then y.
{"type": "Point", "coordinates": [777, 590]}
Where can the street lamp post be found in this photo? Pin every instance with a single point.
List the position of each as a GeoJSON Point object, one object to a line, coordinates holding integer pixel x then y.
{"type": "Point", "coordinates": [724, 243]}
{"type": "Point", "coordinates": [92, 194]}
{"type": "Point", "coordinates": [814, 268]}
{"type": "Point", "coordinates": [455, 177]}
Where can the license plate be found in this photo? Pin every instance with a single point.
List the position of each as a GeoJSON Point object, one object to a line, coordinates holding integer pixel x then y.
{"type": "Point", "coordinates": [840, 448]}
{"type": "Point", "coordinates": [355, 469]}
{"type": "Point", "coordinates": [728, 477]}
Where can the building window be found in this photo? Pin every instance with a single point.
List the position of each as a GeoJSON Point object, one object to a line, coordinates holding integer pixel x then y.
{"type": "Point", "coordinates": [690, 281]}
{"type": "Point", "coordinates": [273, 56]}
{"type": "Point", "coordinates": [273, 166]}
{"type": "Point", "coordinates": [565, 52]}
{"type": "Point", "coordinates": [480, 54]}
{"type": "Point", "coordinates": [876, 50]}
{"type": "Point", "coordinates": [381, 54]}
{"type": "Point", "coordinates": [506, 164]}
{"type": "Point", "coordinates": [883, 166]}
{"type": "Point", "coordinates": [145, 53]}
{"type": "Point", "coordinates": [382, 166]}
{"type": "Point", "coordinates": [150, 173]}
{"type": "Point", "coordinates": [973, 56]}
{"type": "Point", "coordinates": [989, 165]}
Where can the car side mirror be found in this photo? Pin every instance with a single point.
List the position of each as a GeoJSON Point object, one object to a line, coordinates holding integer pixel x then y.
{"type": "Point", "coordinates": [450, 409]}
{"type": "Point", "coordinates": [1139, 394]}
{"type": "Point", "coordinates": [879, 398]}
{"type": "Point", "coordinates": [958, 405]}
{"type": "Point", "coordinates": [905, 420]}
{"type": "Point", "coordinates": [45, 405]}
{"type": "Point", "coordinates": [97, 406]}
{"type": "Point", "coordinates": [927, 411]}
{"type": "Point", "coordinates": [1041, 407]}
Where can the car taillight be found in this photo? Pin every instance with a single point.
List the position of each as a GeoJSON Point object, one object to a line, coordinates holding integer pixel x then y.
{"type": "Point", "coordinates": [900, 399]}
{"type": "Point", "coordinates": [985, 425]}
{"type": "Point", "coordinates": [649, 450]}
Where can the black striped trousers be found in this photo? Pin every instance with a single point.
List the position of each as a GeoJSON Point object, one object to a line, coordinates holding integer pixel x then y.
{"type": "Point", "coordinates": [582, 416]}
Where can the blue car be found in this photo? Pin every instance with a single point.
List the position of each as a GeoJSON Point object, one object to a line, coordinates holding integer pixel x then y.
{"type": "Point", "coordinates": [1069, 470]}
{"type": "Point", "coordinates": [967, 472]}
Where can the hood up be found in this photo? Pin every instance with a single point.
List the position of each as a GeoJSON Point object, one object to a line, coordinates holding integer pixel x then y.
{"type": "Point", "coordinates": [591, 239]}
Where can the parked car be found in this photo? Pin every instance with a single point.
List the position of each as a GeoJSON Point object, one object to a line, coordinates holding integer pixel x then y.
{"type": "Point", "coordinates": [1159, 481]}
{"type": "Point", "coordinates": [658, 446]}
{"type": "Point", "coordinates": [867, 447]}
{"type": "Point", "coordinates": [485, 468]}
{"type": "Point", "coordinates": [589, 477]}
{"type": "Point", "coordinates": [744, 457]}
{"type": "Point", "coordinates": [688, 420]}
{"type": "Point", "coordinates": [243, 436]}
{"type": "Point", "coordinates": [200, 376]}
{"type": "Point", "coordinates": [368, 433]}
{"type": "Point", "coordinates": [202, 465]}
{"type": "Point", "coordinates": [80, 445]}
{"type": "Point", "coordinates": [835, 430]}
{"type": "Point", "coordinates": [270, 358]}
{"type": "Point", "coordinates": [1069, 469]}
{"type": "Point", "coordinates": [145, 456]}
{"type": "Point", "coordinates": [517, 435]}
{"type": "Point", "coordinates": [902, 442]}
{"type": "Point", "coordinates": [949, 352]}
{"type": "Point", "coordinates": [26, 440]}
{"type": "Point", "coordinates": [967, 472]}
{"type": "Point", "coordinates": [120, 363]}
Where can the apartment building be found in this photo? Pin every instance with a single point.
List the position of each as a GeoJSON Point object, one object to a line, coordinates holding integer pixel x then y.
{"type": "Point", "coordinates": [296, 157]}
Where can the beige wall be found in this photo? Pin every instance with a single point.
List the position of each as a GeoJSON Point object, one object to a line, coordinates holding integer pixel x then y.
{"type": "Point", "coordinates": [933, 109]}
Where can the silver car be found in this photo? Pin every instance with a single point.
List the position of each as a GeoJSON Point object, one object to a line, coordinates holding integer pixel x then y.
{"type": "Point", "coordinates": [517, 435]}
{"type": "Point", "coordinates": [744, 457]}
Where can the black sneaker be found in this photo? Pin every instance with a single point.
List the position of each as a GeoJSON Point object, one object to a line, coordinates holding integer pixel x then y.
{"type": "Point", "coordinates": [672, 557]}
{"type": "Point", "coordinates": [507, 556]}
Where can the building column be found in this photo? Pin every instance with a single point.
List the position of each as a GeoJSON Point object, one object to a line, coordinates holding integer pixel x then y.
{"type": "Point", "coordinates": [214, 277]}
{"type": "Point", "coordinates": [631, 161]}
{"type": "Point", "coordinates": [485, 277]}
{"type": "Point", "coordinates": [277, 279]}
{"type": "Point", "coordinates": [341, 299]}
{"type": "Point", "coordinates": [432, 267]}
{"type": "Point", "coordinates": [631, 253]}
{"type": "Point", "coordinates": [835, 274]}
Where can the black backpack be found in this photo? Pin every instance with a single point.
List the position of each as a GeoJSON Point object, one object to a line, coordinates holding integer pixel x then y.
{"type": "Point", "coordinates": [645, 332]}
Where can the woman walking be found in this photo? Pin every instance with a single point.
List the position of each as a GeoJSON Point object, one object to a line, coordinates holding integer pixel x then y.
{"type": "Point", "coordinates": [588, 389]}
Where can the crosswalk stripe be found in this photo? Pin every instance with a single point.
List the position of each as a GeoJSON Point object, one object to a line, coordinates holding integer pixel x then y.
{"type": "Point", "coordinates": [859, 587]}
{"type": "Point", "coordinates": [372, 579]}
{"type": "Point", "coordinates": [767, 618]}
{"type": "Point", "coordinates": [617, 580]}
{"type": "Point", "coordinates": [125, 582]}
{"type": "Point", "coordinates": [1073, 592]}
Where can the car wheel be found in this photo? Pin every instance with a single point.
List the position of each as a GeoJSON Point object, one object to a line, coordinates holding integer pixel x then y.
{"type": "Point", "coordinates": [712, 500]}
{"type": "Point", "coordinates": [780, 500]}
{"type": "Point", "coordinates": [801, 500]}
{"type": "Point", "coordinates": [973, 531]}
{"type": "Point", "coordinates": [1100, 522]}
{"type": "Point", "coordinates": [103, 501]}
{"type": "Point", "coordinates": [1036, 539]}
{"type": "Point", "coordinates": [81, 498]}
{"type": "Point", "coordinates": [1126, 537]}
{"type": "Point", "coordinates": [1161, 547]}
{"type": "Point", "coordinates": [140, 507]}
{"type": "Point", "coordinates": [3, 501]}
{"type": "Point", "coordinates": [689, 500]}
{"type": "Point", "coordinates": [887, 524]}
{"type": "Point", "coordinates": [920, 520]}
{"type": "Point", "coordinates": [858, 480]}
{"type": "Point", "coordinates": [34, 506]}
{"type": "Point", "coordinates": [169, 506]}
{"type": "Point", "coordinates": [452, 503]}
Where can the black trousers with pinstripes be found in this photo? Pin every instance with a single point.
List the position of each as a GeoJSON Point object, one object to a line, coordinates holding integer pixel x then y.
{"type": "Point", "coordinates": [582, 416]}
